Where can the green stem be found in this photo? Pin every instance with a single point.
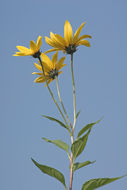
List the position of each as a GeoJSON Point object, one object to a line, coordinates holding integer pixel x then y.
{"type": "Point", "coordinates": [51, 92]}
{"type": "Point", "coordinates": [71, 164]}
{"type": "Point", "coordinates": [74, 122]}
{"type": "Point", "coordinates": [74, 103]}
{"type": "Point", "coordinates": [57, 84]}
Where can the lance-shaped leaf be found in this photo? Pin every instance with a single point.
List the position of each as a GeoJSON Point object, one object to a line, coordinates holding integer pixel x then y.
{"type": "Point", "coordinates": [51, 172]}
{"type": "Point", "coordinates": [87, 127]}
{"type": "Point", "coordinates": [78, 114]}
{"type": "Point", "coordinates": [95, 183]}
{"type": "Point", "coordinates": [79, 145]}
{"type": "Point", "coordinates": [59, 143]}
{"type": "Point", "coordinates": [56, 120]}
{"type": "Point", "coordinates": [78, 165]}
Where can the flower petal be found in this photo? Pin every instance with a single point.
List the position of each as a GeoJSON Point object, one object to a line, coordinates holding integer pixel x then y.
{"type": "Point", "coordinates": [51, 50]}
{"type": "Point", "coordinates": [60, 72]}
{"type": "Point", "coordinates": [52, 43]}
{"type": "Point", "coordinates": [39, 42]}
{"type": "Point", "coordinates": [60, 39]}
{"type": "Point", "coordinates": [77, 33]}
{"type": "Point", "coordinates": [39, 80]}
{"type": "Point", "coordinates": [54, 59]}
{"type": "Point", "coordinates": [35, 73]}
{"type": "Point", "coordinates": [83, 42]}
{"type": "Point", "coordinates": [49, 41]}
{"type": "Point", "coordinates": [68, 33]}
{"type": "Point", "coordinates": [33, 46]}
{"type": "Point", "coordinates": [60, 64]}
{"type": "Point", "coordinates": [46, 60]}
{"type": "Point", "coordinates": [38, 67]}
{"type": "Point", "coordinates": [56, 41]}
{"type": "Point", "coordinates": [84, 36]}
{"type": "Point", "coordinates": [23, 49]}
{"type": "Point", "coordinates": [19, 54]}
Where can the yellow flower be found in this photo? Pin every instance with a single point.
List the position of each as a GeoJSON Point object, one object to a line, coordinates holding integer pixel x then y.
{"type": "Point", "coordinates": [51, 68]}
{"type": "Point", "coordinates": [34, 49]}
{"type": "Point", "coordinates": [69, 43]}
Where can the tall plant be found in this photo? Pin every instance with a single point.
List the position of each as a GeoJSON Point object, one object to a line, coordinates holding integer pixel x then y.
{"type": "Point", "coordinates": [49, 70]}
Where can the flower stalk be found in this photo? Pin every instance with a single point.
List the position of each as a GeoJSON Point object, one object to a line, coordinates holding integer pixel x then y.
{"type": "Point", "coordinates": [74, 122]}
{"type": "Point", "coordinates": [51, 92]}
{"type": "Point", "coordinates": [74, 101]}
{"type": "Point", "coordinates": [58, 91]}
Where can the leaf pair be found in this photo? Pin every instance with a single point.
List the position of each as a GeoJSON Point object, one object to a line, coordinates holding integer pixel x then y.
{"type": "Point", "coordinates": [89, 185]}
{"type": "Point", "coordinates": [79, 145]}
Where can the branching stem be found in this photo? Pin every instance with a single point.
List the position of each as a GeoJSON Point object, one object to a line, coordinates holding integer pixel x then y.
{"type": "Point", "coordinates": [62, 102]}
{"type": "Point", "coordinates": [51, 92]}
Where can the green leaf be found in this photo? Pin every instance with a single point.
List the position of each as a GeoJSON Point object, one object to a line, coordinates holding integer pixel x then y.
{"type": "Point", "coordinates": [51, 172]}
{"type": "Point", "coordinates": [78, 165]}
{"type": "Point", "coordinates": [79, 145]}
{"type": "Point", "coordinates": [95, 183]}
{"type": "Point", "coordinates": [56, 120]}
{"type": "Point", "coordinates": [87, 127]}
{"type": "Point", "coordinates": [78, 114]}
{"type": "Point", "coordinates": [59, 143]}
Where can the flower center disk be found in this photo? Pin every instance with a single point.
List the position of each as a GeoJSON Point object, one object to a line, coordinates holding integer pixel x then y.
{"type": "Point", "coordinates": [70, 49]}
{"type": "Point", "coordinates": [53, 73]}
{"type": "Point", "coordinates": [37, 54]}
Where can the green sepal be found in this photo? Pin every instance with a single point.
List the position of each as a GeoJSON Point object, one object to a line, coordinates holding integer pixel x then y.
{"type": "Point", "coordinates": [95, 183]}
{"type": "Point", "coordinates": [58, 143]}
{"type": "Point", "coordinates": [51, 172]}
{"type": "Point", "coordinates": [78, 165]}
{"type": "Point", "coordinates": [56, 120]}
{"type": "Point", "coordinates": [79, 145]}
{"type": "Point", "coordinates": [87, 127]}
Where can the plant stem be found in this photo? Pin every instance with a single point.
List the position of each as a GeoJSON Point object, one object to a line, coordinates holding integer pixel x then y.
{"type": "Point", "coordinates": [51, 92]}
{"type": "Point", "coordinates": [62, 102]}
{"type": "Point", "coordinates": [72, 137]}
{"type": "Point", "coordinates": [74, 104]}
{"type": "Point", "coordinates": [71, 164]}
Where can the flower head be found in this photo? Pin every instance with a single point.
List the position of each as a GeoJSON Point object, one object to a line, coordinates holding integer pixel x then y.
{"type": "Point", "coordinates": [33, 51]}
{"type": "Point", "coordinates": [69, 43]}
{"type": "Point", "coordinates": [51, 68]}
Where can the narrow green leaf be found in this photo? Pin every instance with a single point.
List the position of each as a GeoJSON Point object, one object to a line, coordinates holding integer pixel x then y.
{"type": "Point", "coordinates": [79, 145]}
{"type": "Point", "coordinates": [78, 114]}
{"type": "Point", "coordinates": [56, 120]}
{"type": "Point", "coordinates": [51, 172]}
{"type": "Point", "coordinates": [95, 183]}
{"type": "Point", "coordinates": [59, 143]}
{"type": "Point", "coordinates": [87, 127]}
{"type": "Point", "coordinates": [78, 165]}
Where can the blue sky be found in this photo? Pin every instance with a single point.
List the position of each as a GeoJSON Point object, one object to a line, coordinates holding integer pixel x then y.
{"type": "Point", "coordinates": [101, 90]}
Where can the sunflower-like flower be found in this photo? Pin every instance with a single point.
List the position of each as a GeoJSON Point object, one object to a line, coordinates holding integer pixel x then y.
{"type": "Point", "coordinates": [69, 43]}
{"type": "Point", "coordinates": [51, 68]}
{"type": "Point", "coordinates": [33, 51]}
